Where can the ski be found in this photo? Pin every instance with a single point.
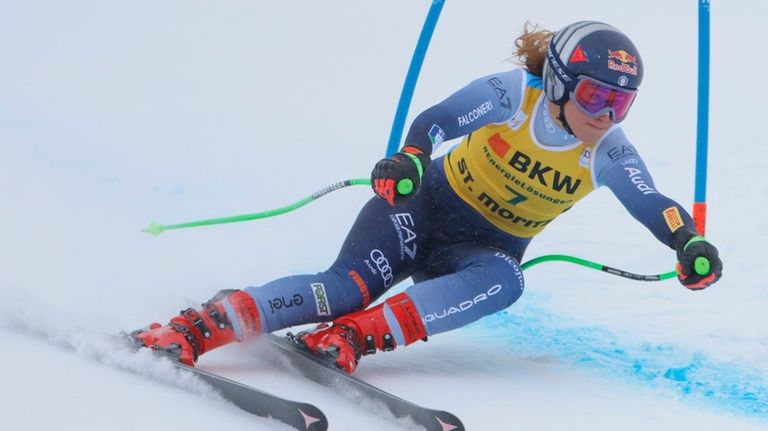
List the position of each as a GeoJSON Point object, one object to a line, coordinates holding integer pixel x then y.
{"type": "Point", "coordinates": [302, 416]}
{"type": "Point", "coordinates": [319, 371]}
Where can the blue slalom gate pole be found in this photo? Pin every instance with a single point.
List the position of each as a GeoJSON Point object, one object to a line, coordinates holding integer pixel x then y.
{"type": "Point", "coordinates": [413, 75]}
{"type": "Point", "coordinates": [702, 120]}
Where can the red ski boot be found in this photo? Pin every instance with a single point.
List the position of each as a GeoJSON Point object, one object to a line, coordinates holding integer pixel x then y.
{"type": "Point", "coordinates": [229, 316]}
{"type": "Point", "coordinates": [363, 332]}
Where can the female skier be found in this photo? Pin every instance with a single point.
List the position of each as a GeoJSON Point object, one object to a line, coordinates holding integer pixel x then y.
{"type": "Point", "coordinates": [536, 140]}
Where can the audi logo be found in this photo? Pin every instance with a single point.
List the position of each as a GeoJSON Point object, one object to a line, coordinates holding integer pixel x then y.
{"type": "Point", "coordinates": [383, 265]}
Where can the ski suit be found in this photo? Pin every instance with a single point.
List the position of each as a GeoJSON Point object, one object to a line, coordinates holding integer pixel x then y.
{"type": "Point", "coordinates": [463, 235]}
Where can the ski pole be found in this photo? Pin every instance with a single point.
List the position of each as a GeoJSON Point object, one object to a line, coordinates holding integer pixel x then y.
{"type": "Point", "coordinates": [156, 229]}
{"type": "Point", "coordinates": [702, 121]}
{"type": "Point", "coordinates": [413, 75]}
{"type": "Point", "coordinates": [604, 268]}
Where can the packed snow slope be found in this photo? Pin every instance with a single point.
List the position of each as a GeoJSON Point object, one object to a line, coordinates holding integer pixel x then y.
{"type": "Point", "coordinates": [114, 114]}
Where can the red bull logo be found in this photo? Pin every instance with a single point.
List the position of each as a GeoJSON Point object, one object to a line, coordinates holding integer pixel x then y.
{"type": "Point", "coordinates": [622, 56]}
{"type": "Point", "coordinates": [625, 62]}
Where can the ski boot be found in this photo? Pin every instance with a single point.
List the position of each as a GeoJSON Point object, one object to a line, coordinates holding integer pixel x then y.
{"type": "Point", "coordinates": [364, 332]}
{"type": "Point", "coordinates": [229, 316]}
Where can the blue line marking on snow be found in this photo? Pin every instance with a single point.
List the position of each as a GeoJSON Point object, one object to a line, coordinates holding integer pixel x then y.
{"type": "Point", "coordinates": [531, 330]}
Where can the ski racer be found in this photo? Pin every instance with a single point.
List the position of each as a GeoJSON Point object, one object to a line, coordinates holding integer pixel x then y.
{"type": "Point", "coordinates": [536, 140]}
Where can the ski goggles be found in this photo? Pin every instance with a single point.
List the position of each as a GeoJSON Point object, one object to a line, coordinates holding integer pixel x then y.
{"type": "Point", "coordinates": [596, 98]}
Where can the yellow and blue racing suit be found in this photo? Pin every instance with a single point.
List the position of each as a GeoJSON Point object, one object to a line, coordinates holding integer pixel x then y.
{"type": "Point", "coordinates": [462, 237]}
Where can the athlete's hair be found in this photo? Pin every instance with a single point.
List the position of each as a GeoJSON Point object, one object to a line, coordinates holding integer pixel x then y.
{"type": "Point", "coordinates": [531, 48]}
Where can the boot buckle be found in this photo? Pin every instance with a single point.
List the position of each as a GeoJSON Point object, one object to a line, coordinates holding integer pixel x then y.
{"type": "Point", "coordinates": [388, 343]}
{"type": "Point", "coordinates": [220, 321]}
{"type": "Point", "coordinates": [370, 345]}
{"type": "Point", "coordinates": [197, 321]}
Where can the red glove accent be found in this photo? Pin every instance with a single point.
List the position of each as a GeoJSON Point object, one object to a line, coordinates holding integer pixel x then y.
{"type": "Point", "coordinates": [385, 188]}
{"type": "Point", "coordinates": [703, 283]}
{"type": "Point", "coordinates": [409, 164]}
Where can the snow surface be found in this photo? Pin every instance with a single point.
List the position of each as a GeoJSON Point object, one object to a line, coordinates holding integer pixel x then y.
{"type": "Point", "coordinates": [115, 114]}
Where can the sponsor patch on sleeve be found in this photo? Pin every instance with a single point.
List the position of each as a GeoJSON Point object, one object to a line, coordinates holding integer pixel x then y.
{"type": "Point", "coordinates": [673, 219]}
{"type": "Point", "coordinates": [436, 135]}
{"type": "Point", "coordinates": [321, 299]}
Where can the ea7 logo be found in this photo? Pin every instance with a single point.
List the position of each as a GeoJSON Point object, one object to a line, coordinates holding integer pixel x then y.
{"type": "Point", "coordinates": [501, 92]}
{"type": "Point", "coordinates": [404, 225]}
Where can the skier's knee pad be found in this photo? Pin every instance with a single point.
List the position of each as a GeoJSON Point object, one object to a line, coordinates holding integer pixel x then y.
{"type": "Point", "coordinates": [497, 279]}
{"type": "Point", "coordinates": [485, 281]}
{"type": "Point", "coordinates": [505, 271]}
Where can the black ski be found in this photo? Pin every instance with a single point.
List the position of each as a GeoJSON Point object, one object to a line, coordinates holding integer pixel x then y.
{"type": "Point", "coordinates": [302, 416]}
{"type": "Point", "coordinates": [318, 370]}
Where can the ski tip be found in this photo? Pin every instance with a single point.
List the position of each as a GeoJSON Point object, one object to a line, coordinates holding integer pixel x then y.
{"type": "Point", "coordinates": [448, 422]}
{"type": "Point", "coordinates": [314, 419]}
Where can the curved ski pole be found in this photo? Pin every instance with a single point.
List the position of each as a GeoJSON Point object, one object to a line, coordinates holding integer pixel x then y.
{"type": "Point", "coordinates": [597, 266]}
{"type": "Point", "coordinates": [156, 229]}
